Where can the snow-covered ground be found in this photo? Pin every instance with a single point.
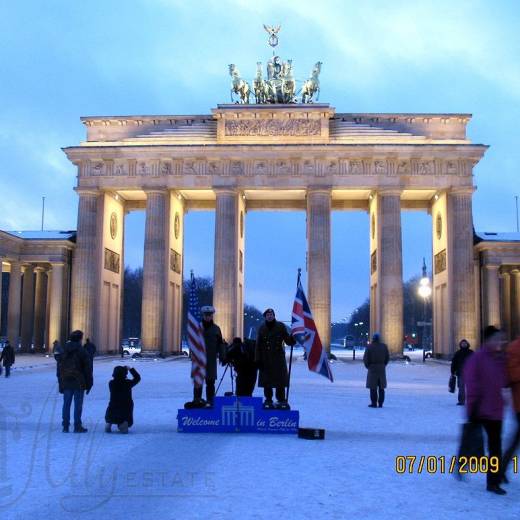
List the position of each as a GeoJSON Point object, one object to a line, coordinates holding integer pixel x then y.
{"type": "Point", "coordinates": [156, 472]}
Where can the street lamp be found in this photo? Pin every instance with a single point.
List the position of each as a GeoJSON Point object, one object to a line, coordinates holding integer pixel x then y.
{"type": "Point", "coordinates": [424, 291]}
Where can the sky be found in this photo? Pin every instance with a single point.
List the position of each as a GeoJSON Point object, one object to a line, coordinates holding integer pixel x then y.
{"type": "Point", "coordinates": [60, 60]}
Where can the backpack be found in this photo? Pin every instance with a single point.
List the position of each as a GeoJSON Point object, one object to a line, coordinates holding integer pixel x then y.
{"type": "Point", "coordinates": [69, 366]}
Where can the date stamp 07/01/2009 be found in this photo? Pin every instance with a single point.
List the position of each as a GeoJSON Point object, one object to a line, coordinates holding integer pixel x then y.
{"type": "Point", "coordinates": [432, 464]}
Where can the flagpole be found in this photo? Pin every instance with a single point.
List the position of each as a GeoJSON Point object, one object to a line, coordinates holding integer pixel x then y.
{"type": "Point", "coordinates": [290, 357]}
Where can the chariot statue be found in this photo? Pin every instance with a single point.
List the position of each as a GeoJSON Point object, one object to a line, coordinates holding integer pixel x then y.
{"type": "Point", "coordinates": [280, 86]}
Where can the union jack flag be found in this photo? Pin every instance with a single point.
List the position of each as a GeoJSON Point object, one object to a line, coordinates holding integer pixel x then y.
{"type": "Point", "coordinates": [305, 333]}
{"type": "Point", "coordinates": [196, 337]}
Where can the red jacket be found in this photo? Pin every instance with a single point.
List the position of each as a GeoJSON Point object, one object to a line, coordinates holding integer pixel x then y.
{"type": "Point", "coordinates": [513, 371]}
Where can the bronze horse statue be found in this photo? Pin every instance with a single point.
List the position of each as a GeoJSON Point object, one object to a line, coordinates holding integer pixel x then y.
{"type": "Point", "coordinates": [312, 85]}
{"type": "Point", "coordinates": [259, 85]}
{"type": "Point", "coordinates": [239, 86]}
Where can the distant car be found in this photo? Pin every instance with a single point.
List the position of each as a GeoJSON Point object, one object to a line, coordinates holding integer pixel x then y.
{"type": "Point", "coordinates": [131, 346]}
{"type": "Point", "coordinates": [428, 353]}
{"type": "Point", "coordinates": [348, 342]}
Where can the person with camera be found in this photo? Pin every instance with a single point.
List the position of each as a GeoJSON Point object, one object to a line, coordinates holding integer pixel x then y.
{"type": "Point", "coordinates": [120, 409]}
{"type": "Point", "coordinates": [241, 355]}
{"type": "Point", "coordinates": [270, 359]}
{"type": "Point", "coordinates": [214, 351]}
{"type": "Point", "coordinates": [75, 377]}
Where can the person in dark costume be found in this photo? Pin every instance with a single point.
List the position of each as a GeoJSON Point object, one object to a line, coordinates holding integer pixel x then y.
{"type": "Point", "coordinates": [376, 358]}
{"type": "Point", "coordinates": [270, 359]}
{"type": "Point", "coordinates": [241, 355]}
{"type": "Point", "coordinates": [120, 409]}
{"type": "Point", "coordinates": [457, 365]}
{"type": "Point", "coordinates": [215, 350]}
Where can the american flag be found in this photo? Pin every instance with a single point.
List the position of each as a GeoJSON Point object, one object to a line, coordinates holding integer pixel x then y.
{"type": "Point", "coordinates": [305, 333]}
{"type": "Point", "coordinates": [196, 337]}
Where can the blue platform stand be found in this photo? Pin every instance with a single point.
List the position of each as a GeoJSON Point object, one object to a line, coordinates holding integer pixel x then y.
{"type": "Point", "coordinates": [237, 414]}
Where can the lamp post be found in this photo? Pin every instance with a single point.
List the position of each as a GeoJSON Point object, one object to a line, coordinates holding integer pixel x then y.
{"type": "Point", "coordinates": [424, 292]}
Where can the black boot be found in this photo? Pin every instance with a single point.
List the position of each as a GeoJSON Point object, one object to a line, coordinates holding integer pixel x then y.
{"type": "Point", "coordinates": [80, 429]}
{"type": "Point", "coordinates": [268, 404]}
{"type": "Point", "coordinates": [495, 488]}
{"type": "Point", "coordinates": [65, 428]}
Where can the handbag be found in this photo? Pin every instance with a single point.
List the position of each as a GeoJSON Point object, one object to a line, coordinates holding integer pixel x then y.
{"type": "Point", "coordinates": [451, 384]}
{"type": "Point", "coordinates": [472, 440]}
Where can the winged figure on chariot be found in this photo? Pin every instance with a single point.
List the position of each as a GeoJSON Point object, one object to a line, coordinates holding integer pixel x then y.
{"type": "Point", "coordinates": [280, 86]}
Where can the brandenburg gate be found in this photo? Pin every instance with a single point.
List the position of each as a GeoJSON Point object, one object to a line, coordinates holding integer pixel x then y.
{"type": "Point", "coordinates": [267, 156]}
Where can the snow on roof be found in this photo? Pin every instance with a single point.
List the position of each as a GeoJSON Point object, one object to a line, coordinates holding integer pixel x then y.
{"type": "Point", "coordinates": [44, 235]}
{"type": "Point", "coordinates": [490, 236]}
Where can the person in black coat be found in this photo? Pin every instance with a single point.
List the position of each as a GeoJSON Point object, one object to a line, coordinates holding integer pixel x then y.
{"type": "Point", "coordinates": [8, 358]}
{"type": "Point", "coordinates": [457, 366]}
{"type": "Point", "coordinates": [120, 409]}
{"type": "Point", "coordinates": [242, 356]}
{"type": "Point", "coordinates": [91, 349]}
{"type": "Point", "coordinates": [75, 377]}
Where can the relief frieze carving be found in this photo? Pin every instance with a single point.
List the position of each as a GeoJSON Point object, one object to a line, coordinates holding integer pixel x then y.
{"type": "Point", "coordinates": [440, 262]}
{"type": "Point", "coordinates": [318, 167]}
{"type": "Point", "coordinates": [112, 261]}
{"type": "Point", "coordinates": [355, 167]}
{"type": "Point", "coordinates": [273, 127]}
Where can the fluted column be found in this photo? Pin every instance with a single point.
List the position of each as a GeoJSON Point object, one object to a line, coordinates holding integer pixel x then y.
{"type": "Point", "coordinates": [154, 271]}
{"type": "Point", "coordinates": [318, 260]}
{"type": "Point", "coordinates": [505, 301]}
{"type": "Point", "coordinates": [492, 296]}
{"type": "Point", "coordinates": [462, 263]}
{"type": "Point", "coordinates": [226, 262]}
{"type": "Point", "coordinates": [27, 307]}
{"type": "Point", "coordinates": [13, 305]}
{"type": "Point", "coordinates": [56, 307]}
{"type": "Point", "coordinates": [391, 271]}
{"type": "Point", "coordinates": [40, 307]}
{"type": "Point", "coordinates": [515, 303]}
{"type": "Point", "coordinates": [85, 267]}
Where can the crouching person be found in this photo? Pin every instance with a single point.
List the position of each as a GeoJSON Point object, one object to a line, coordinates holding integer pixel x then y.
{"type": "Point", "coordinates": [120, 409]}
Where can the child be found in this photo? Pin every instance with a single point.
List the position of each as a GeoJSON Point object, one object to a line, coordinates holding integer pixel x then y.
{"type": "Point", "coordinates": [120, 409]}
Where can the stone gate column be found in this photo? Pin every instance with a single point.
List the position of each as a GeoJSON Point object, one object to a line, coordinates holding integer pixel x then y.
{"type": "Point", "coordinates": [13, 305]}
{"type": "Point", "coordinates": [40, 298]}
{"type": "Point", "coordinates": [515, 303]}
{"type": "Point", "coordinates": [461, 283]}
{"type": "Point", "coordinates": [227, 290]}
{"type": "Point", "coordinates": [27, 307]}
{"type": "Point", "coordinates": [386, 267]}
{"type": "Point", "coordinates": [154, 271]}
{"type": "Point", "coordinates": [318, 260]}
{"type": "Point", "coordinates": [85, 267]}
{"type": "Point", "coordinates": [505, 302]}
{"type": "Point", "coordinates": [56, 304]}
{"type": "Point", "coordinates": [491, 301]}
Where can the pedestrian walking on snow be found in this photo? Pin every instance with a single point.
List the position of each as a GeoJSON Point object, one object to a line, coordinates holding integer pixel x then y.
{"type": "Point", "coordinates": [376, 358]}
{"type": "Point", "coordinates": [513, 373]}
{"type": "Point", "coordinates": [8, 358]}
{"type": "Point", "coordinates": [485, 376]}
{"type": "Point", "coordinates": [457, 366]}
